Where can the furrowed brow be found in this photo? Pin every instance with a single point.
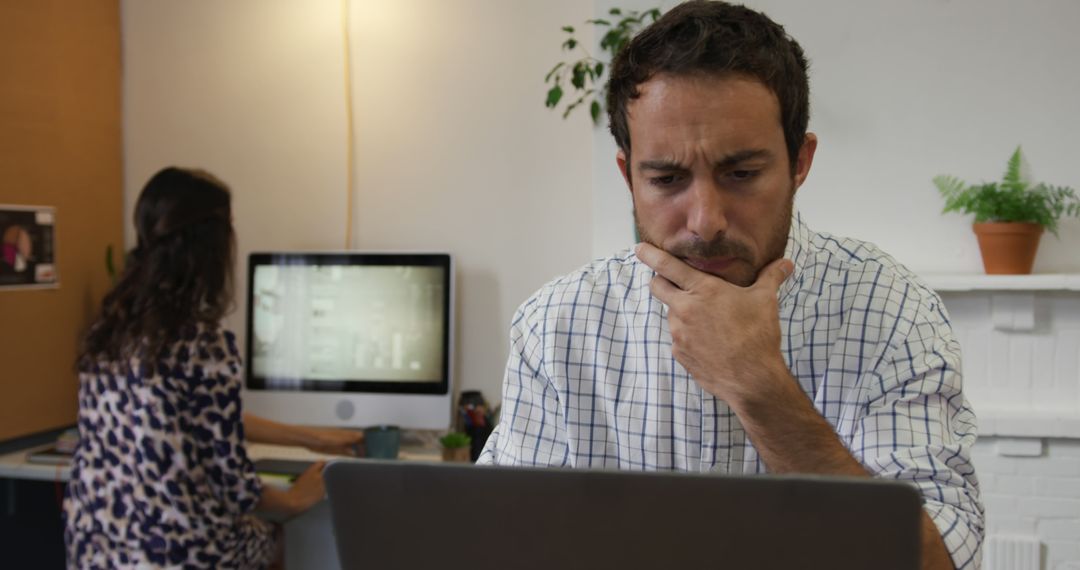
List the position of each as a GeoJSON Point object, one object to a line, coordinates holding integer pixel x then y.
{"type": "Point", "coordinates": [662, 165]}
{"type": "Point", "coordinates": [733, 159]}
{"type": "Point", "coordinates": [742, 156]}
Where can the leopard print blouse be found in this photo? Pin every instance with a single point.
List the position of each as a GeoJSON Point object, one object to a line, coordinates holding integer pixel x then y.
{"type": "Point", "coordinates": [161, 477]}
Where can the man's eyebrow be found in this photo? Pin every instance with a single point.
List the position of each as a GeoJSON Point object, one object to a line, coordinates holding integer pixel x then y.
{"type": "Point", "coordinates": [667, 165]}
{"type": "Point", "coordinates": [663, 165]}
{"type": "Point", "coordinates": [742, 156]}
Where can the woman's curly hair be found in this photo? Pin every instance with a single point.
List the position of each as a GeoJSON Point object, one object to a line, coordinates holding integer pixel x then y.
{"type": "Point", "coordinates": [179, 274]}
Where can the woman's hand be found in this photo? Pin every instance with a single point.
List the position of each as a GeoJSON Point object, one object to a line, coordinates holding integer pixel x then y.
{"type": "Point", "coordinates": [320, 440]}
{"type": "Point", "coordinates": [333, 441]}
{"type": "Point", "coordinates": [307, 490]}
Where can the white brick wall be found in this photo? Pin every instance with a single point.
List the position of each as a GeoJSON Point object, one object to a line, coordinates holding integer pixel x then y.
{"type": "Point", "coordinates": [1019, 368]}
{"type": "Point", "coordinates": [1033, 496]}
{"type": "Point", "coordinates": [1022, 375]}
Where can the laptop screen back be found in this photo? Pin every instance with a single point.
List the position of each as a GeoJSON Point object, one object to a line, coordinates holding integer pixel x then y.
{"type": "Point", "coordinates": [400, 515]}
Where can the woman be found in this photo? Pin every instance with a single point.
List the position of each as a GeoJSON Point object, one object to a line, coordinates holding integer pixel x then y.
{"type": "Point", "coordinates": [161, 476]}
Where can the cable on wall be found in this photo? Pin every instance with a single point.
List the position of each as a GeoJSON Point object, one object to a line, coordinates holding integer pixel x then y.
{"type": "Point", "coordinates": [349, 137]}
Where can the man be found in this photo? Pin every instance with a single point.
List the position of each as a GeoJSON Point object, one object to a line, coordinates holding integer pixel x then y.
{"type": "Point", "coordinates": [733, 322]}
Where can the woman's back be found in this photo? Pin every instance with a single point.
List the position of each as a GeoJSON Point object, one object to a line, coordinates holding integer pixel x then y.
{"type": "Point", "coordinates": [161, 476]}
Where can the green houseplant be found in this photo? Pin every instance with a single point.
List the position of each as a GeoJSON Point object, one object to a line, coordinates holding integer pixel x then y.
{"type": "Point", "coordinates": [584, 76]}
{"type": "Point", "coordinates": [455, 447]}
{"type": "Point", "coordinates": [110, 265]}
{"type": "Point", "coordinates": [1010, 215]}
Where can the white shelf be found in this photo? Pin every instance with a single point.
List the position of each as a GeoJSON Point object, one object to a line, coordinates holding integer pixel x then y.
{"type": "Point", "coordinates": [942, 282]}
{"type": "Point", "coordinates": [1028, 423]}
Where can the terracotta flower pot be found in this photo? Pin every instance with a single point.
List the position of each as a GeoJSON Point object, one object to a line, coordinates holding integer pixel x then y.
{"type": "Point", "coordinates": [1008, 248]}
{"type": "Point", "coordinates": [456, 454]}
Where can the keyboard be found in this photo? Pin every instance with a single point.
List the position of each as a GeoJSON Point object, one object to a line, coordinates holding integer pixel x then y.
{"type": "Point", "coordinates": [290, 468]}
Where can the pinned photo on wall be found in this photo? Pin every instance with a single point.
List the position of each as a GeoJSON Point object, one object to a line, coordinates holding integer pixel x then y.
{"type": "Point", "coordinates": [27, 247]}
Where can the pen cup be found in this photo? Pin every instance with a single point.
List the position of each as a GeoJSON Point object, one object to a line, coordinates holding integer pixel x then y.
{"type": "Point", "coordinates": [475, 420]}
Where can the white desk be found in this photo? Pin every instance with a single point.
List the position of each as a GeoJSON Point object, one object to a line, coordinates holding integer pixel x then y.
{"type": "Point", "coordinates": [309, 538]}
{"type": "Point", "coordinates": [15, 466]}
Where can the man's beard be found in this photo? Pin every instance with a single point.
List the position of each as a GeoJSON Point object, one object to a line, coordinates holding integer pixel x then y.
{"type": "Point", "coordinates": [743, 274]}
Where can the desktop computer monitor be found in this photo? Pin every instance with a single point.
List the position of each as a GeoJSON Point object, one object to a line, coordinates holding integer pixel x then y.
{"type": "Point", "coordinates": [350, 339]}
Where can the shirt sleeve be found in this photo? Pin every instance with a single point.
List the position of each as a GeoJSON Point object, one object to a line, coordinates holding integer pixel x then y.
{"type": "Point", "coordinates": [531, 430]}
{"type": "Point", "coordinates": [919, 428]}
{"type": "Point", "coordinates": [219, 424]}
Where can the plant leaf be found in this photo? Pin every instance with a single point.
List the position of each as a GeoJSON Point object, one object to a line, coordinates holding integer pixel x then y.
{"type": "Point", "coordinates": [599, 69]}
{"type": "Point", "coordinates": [568, 29]}
{"type": "Point", "coordinates": [569, 44]}
{"type": "Point", "coordinates": [594, 110]}
{"type": "Point", "coordinates": [110, 267]}
{"type": "Point", "coordinates": [611, 38]}
{"type": "Point", "coordinates": [950, 188]}
{"type": "Point", "coordinates": [553, 96]}
{"type": "Point", "coordinates": [1012, 171]}
{"type": "Point", "coordinates": [615, 12]}
{"type": "Point", "coordinates": [598, 22]}
{"type": "Point", "coordinates": [578, 77]}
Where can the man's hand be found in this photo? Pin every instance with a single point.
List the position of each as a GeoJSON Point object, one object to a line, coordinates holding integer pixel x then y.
{"type": "Point", "coordinates": [727, 337]}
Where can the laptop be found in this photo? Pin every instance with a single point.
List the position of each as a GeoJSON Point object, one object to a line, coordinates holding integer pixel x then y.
{"type": "Point", "coordinates": [390, 515]}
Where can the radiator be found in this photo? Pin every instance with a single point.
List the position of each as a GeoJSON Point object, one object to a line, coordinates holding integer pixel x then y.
{"type": "Point", "coordinates": [1012, 553]}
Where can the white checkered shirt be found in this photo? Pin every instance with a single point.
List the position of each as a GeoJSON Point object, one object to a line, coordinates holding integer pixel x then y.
{"type": "Point", "coordinates": [591, 381]}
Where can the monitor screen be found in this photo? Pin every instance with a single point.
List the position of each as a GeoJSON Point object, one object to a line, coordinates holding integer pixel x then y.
{"type": "Point", "coordinates": [349, 322]}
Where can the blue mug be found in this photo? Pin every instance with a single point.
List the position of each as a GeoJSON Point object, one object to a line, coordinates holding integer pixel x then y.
{"type": "Point", "coordinates": [382, 442]}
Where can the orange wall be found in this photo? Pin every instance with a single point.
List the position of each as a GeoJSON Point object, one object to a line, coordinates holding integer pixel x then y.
{"type": "Point", "coordinates": [60, 146]}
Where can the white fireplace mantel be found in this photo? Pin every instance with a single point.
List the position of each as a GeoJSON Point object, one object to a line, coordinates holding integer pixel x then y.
{"type": "Point", "coordinates": [1020, 337]}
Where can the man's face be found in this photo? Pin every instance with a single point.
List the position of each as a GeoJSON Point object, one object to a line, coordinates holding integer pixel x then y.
{"type": "Point", "coordinates": [710, 174]}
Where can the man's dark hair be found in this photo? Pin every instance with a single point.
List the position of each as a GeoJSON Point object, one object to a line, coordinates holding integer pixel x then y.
{"type": "Point", "coordinates": [179, 274]}
{"type": "Point", "coordinates": [703, 37]}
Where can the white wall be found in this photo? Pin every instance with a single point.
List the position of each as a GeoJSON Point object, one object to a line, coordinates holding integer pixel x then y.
{"type": "Point", "coordinates": [454, 148]}
{"type": "Point", "coordinates": [252, 91]}
{"type": "Point", "coordinates": [904, 91]}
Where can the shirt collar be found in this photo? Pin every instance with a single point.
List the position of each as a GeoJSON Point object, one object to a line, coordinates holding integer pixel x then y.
{"type": "Point", "coordinates": [798, 251]}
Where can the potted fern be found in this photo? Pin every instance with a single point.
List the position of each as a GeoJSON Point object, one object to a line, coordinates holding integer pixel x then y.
{"type": "Point", "coordinates": [1010, 215]}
